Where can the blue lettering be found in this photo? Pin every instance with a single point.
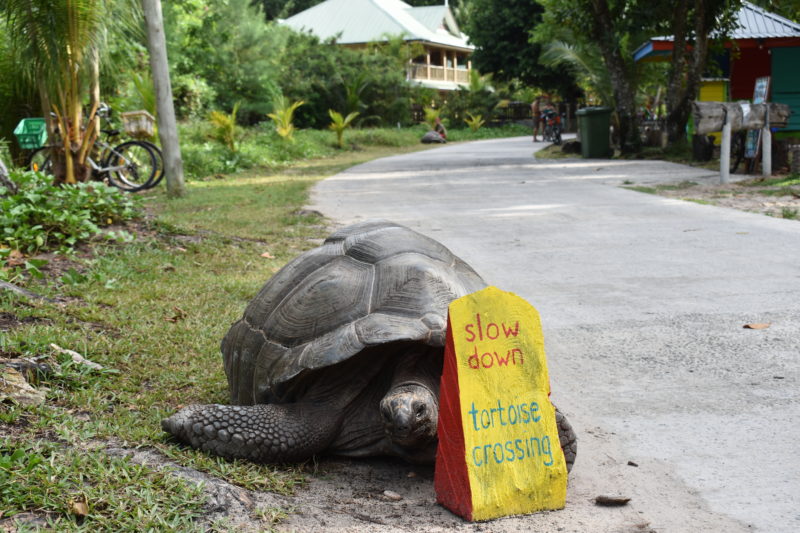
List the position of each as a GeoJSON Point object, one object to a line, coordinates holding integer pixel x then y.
{"type": "Point", "coordinates": [474, 413]}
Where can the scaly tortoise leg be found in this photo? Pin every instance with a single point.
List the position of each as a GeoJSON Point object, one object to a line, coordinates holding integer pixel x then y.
{"type": "Point", "coordinates": [264, 433]}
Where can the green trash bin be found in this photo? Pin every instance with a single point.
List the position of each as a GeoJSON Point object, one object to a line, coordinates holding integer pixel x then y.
{"type": "Point", "coordinates": [594, 123]}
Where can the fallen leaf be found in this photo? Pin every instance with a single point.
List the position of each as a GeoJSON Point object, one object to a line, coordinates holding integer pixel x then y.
{"type": "Point", "coordinates": [15, 258]}
{"type": "Point", "coordinates": [392, 495]}
{"type": "Point", "coordinates": [180, 314]}
{"type": "Point", "coordinates": [76, 357]}
{"type": "Point", "coordinates": [268, 255]}
{"type": "Point", "coordinates": [756, 326]}
{"type": "Point", "coordinates": [611, 501]}
{"type": "Point", "coordinates": [14, 386]}
{"type": "Point", "coordinates": [79, 508]}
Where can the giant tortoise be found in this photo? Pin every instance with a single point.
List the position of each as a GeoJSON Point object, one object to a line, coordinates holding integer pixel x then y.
{"type": "Point", "coordinates": [341, 353]}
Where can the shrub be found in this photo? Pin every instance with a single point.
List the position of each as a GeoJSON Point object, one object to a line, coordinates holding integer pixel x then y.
{"type": "Point", "coordinates": [340, 124]}
{"type": "Point", "coordinates": [41, 216]}
{"type": "Point", "coordinates": [283, 116]}
{"type": "Point", "coordinates": [474, 121]}
{"type": "Point", "coordinates": [224, 128]}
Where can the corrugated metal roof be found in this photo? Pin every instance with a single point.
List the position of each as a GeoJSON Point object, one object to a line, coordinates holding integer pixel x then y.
{"type": "Point", "coordinates": [757, 23]}
{"type": "Point", "coordinates": [363, 21]}
{"type": "Point", "coordinates": [753, 22]}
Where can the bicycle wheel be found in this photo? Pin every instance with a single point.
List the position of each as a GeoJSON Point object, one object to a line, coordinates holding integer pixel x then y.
{"type": "Point", "coordinates": [131, 166]}
{"type": "Point", "coordinates": [40, 161]}
{"type": "Point", "coordinates": [737, 150]}
{"type": "Point", "coordinates": [160, 160]}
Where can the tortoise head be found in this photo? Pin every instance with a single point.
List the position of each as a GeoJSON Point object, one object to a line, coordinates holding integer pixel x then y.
{"type": "Point", "coordinates": [410, 409]}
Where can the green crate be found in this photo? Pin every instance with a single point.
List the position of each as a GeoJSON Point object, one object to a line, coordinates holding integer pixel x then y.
{"type": "Point", "coordinates": [31, 133]}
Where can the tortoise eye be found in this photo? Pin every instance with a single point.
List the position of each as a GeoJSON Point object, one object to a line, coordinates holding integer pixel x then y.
{"type": "Point", "coordinates": [420, 410]}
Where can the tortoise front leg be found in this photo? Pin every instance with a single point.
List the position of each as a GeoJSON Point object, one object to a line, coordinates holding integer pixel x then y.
{"type": "Point", "coordinates": [265, 433]}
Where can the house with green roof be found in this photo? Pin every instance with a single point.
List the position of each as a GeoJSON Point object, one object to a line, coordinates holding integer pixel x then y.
{"type": "Point", "coordinates": [761, 44]}
{"type": "Point", "coordinates": [445, 64]}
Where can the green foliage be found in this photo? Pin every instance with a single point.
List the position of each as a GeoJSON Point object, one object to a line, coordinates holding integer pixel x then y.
{"type": "Point", "coordinates": [227, 45]}
{"type": "Point", "coordinates": [368, 81]}
{"type": "Point", "coordinates": [192, 95]}
{"type": "Point", "coordinates": [224, 128]}
{"type": "Point", "coordinates": [431, 115]}
{"type": "Point", "coordinates": [118, 494]}
{"type": "Point", "coordinates": [586, 64]}
{"type": "Point", "coordinates": [501, 31]}
{"type": "Point", "coordinates": [340, 124]}
{"type": "Point", "coordinates": [474, 121]}
{"type": "Point", "coordinates": [478, 99]}
{"type": "Point", "coordinates": [283, 116]}
{"type": "Point", "coordinates": [40, 216]}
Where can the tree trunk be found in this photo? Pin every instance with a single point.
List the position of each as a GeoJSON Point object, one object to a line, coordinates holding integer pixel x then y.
{"type": "Point", "coordinates": [621, 79]}
{"type": "Point", "coordinates": [167, 125]}
{"type": "Point", "coordinates": [687, 65]}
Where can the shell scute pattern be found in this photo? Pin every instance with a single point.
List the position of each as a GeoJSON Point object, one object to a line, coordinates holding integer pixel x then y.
{"type": "Point", "coordinates": [368, 284]}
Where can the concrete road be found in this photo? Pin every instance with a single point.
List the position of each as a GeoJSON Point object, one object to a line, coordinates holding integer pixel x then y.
{"type": "Point", "coordinates": [643, 301]}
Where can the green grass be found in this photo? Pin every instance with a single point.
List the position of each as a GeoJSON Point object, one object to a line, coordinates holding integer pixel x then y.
{"type": "Point", "coordinates": [153, 312]}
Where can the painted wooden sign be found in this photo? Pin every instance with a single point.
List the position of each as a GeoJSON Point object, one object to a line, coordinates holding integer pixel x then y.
{"type": "Point", "coordinates": [499, 452]}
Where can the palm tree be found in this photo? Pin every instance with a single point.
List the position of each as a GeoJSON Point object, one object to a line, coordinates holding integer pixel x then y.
{"type": "Point", "coordinates": [58, 49]}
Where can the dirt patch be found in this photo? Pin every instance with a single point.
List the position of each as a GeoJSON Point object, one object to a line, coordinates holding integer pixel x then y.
{"type": "Point", "coordinates": [9, 321]}
{"type": "Point", "coordinates": [750, 195]}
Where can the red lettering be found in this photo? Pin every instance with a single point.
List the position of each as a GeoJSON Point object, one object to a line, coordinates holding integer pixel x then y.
{"type": "Point", "coordinates": [473, 360]}
{"type": "Point", "coordinates": [508, 331]}
{"type": "Point", "coordinates": [501, 361]}
{"type": "Point", "coordinates": [496, 331]}
{"type": "Point", "coordinates": [480, 330]}
{"type": "Point", "coordinates": [470, 333]}
{"type": "Point", "coordinates": [491, 360]}
{"type": "Point", "coordinates": [514, 353]}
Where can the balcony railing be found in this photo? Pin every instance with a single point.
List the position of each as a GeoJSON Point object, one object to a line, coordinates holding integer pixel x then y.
{"type": "Point", "coordinates": [418, 71]}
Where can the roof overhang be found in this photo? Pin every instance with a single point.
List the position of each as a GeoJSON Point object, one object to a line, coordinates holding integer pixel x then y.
{"type": "Point", "coordinates": [660, 48]}
{"type": "Point", "coordinates": [438, 84]}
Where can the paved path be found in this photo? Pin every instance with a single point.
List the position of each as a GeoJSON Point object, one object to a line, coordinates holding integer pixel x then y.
{"type": "Point", "coordinates": [643, 300]}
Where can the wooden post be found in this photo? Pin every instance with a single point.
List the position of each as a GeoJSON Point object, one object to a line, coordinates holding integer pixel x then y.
{"type": "Point", "coordinates": [167, 125]}
{"type": "Point", "coordinates": [725, 152]}
{"type": "Point", "coordinates": [766, 147]}
{"type": "Point", "coordinates": [427, 64]}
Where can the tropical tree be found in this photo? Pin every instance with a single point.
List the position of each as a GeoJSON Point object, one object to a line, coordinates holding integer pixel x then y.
{"type": "Point", "coordinates": [339, 124]}
{"type": "Point", "coordinates": [283, 116]}
{"type": "Point", "coordinates": [501, 31]}
{"type": "Point", "coordinates": [692, 26]}
{"type": "Point", "coordinates": [585, 63]}
{"type": "Point", "coordinates": [58, 47]}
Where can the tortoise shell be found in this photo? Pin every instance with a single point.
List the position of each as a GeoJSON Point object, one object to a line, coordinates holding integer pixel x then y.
{"type": "Point", "coordinates": [368, 284]}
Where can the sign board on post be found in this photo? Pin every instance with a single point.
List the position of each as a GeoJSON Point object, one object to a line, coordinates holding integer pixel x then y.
{"type": "Point", "coordinates": [499, 451]}
{"type": "Point", "coordinates": [760, 92]}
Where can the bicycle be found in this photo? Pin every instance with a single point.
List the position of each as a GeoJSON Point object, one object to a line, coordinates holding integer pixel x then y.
{"type": "Point", "coordinates": [552, 126]}
{"type": "Point", "coordinates": [131, 166]}
{"type": "Point", "coordinates": [738, 142]}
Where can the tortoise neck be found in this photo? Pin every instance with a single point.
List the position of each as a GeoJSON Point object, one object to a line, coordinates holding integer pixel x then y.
{"type": "Point", "coordinates": [421, 367]}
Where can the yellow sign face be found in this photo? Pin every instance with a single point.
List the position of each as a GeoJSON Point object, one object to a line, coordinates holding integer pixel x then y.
{"type": "Point", "coordinates": [514, 461]}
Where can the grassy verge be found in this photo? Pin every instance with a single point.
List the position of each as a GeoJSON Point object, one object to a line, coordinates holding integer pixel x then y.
{"type": "Point", "coordinates": [152, 312]}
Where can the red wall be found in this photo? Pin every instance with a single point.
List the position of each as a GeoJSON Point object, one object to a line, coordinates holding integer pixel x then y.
{"type": "Point", "coordinates": [752, 63]}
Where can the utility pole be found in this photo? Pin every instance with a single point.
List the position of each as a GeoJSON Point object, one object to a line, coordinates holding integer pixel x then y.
{"type": "Point", "coordinates": [167, 125]}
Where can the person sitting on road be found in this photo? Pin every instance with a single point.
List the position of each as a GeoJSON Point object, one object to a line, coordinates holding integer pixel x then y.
{"type": "Point", "coordinates": [440, 129]}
